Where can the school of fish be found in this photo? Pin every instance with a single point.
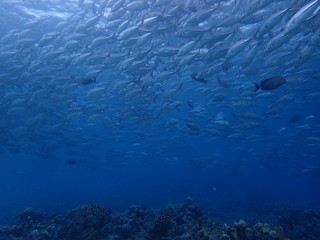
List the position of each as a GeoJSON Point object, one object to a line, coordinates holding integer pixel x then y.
{"type": "Point", "coordinates": [135, 81]}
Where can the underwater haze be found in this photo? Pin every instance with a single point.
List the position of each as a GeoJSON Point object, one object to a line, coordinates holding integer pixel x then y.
{"type": "Point", "coordinates": [153, 102]}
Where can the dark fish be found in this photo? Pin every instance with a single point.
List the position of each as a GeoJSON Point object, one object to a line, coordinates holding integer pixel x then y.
{"type": "Point", "coordinates": [86, 81]}
{"type": "Point", "coordinates": [193, 127]}
{"type": "Point", "coordinates": [180, 87]}
{"type": "Point", "coordinates": [94, 165]}
{"type": "Point", "coordinates": [222, 83]}
{"type": "Point", "coordinates": [295, 118]}
{"type": "Point", "coordinates": [270, 83]}
{"type": "Point", "coordinates": [194, 77]}
{"type": "Point", "coordinates": [190, 104]}
{"type": "Point", "coordinates": [71, 161]}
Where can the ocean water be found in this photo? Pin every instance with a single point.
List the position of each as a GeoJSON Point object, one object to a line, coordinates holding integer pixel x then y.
{"type": "Point", "coordinates": [152, 102]}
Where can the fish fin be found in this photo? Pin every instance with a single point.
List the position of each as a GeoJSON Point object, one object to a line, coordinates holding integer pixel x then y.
{"type": "Point", "coordinates": [178, 71]}
{"type": "Point", "coordinates": [180, 86]}
{"type": "Point", "coordinates": [257, 86]}
{"type": "Point", "coordinates": [221, 82]}
{"type": "Point", "coordinates": [193, 76]}
{"type": "Point", "coordinates": [257, 36]}
{"type": "Point", "coordinates": [237, 31]}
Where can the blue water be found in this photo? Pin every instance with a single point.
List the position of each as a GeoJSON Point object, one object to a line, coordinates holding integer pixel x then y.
{"type": "Point", "coordinates": [131, 143]}
{"type": "Point", "coordinates": [56, 187]}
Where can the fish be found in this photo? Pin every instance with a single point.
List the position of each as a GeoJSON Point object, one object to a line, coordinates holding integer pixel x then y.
{"type": "Point", "coordinates": [304, 55]}
{"type": "Point", "coordinates": [309, 117]}
{"type": "Point", "coordinates": [302, 15]}
{"type": "Point", "coordinates": [137, 6]}
{"type": "Point", "coordinates": [249, 56]}
{"type": "Point", "coordinates": [187, 47]}
{"type": "Point", "coordinates": [130, 58]}
{"type": "Point", "coordinates": [87, 81]}
{"type": "Point", "coordinates": [278, 41]}
{"type": "Point", "coordinates": [193, 127]}
{"type": "Point", "coordinates": [237, 48]}
{"type": "Point", "coordinates": [72, 161]}
{"type": "Point", "coordinates": [190, 104]}
{"type": "Point", "coordinates": [269, 23]}
{"type": "Point", "coordinates": [194, 77]}
{"type": "Point", "coordinates": [295, 118]}
{"type": "Point", "coordinates": [222, 83]}
{"type": "Point", "coordinates": [270, 83]}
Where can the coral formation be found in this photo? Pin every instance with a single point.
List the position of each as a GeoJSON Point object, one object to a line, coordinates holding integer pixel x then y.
{"type": "Point", "coordinates": [302, 225]}
{"type": "Point", "coordinates": [175, 222]}
{"type": "Point", "coordinates": [261, 231]}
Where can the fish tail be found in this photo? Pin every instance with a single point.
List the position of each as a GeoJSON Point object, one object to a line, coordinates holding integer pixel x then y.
{"type": "Point", "coordinates": [178, 71]}
{"type": "Point", "coordinates": [179, 88]}
{"type": "Point", "coordinates": [258, 37]}
{"type": "Point", "coordinates": [257, 86]}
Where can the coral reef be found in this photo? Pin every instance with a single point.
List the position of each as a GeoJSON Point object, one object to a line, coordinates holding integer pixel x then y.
{"type": "Point", "coordinates": [302, 225]}
{"type": "Point", "coordinates": [175, 222]}
{"type": "Point", "coordinates": [261, 231]}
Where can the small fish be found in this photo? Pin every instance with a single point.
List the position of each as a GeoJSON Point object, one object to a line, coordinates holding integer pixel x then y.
{"type": "Point", "coordinates": [194, 77]}
{"type": "Point", "coordinates": [86, 81]}
{"type": "Point", "coordinates": [190, 104]}
{"type": "Point", "coordinates": [295, 118]}
{"type": "Point", "coordinates": [237, 48]}
{"type": "Point", "coordinates": [72, 161]}
{"type": "Point", "coordinates": [281, 130]}
{"type": "Point", "coordinates": [309, 117]}
{"type": "Point", "coordinates": [193, 126]}
{"type": "Point", "coordinates": [299, 17]}
{"type": "Point", "coordinates": [270, 83]}
{"type": "Point", "coordinates": [222, 83]}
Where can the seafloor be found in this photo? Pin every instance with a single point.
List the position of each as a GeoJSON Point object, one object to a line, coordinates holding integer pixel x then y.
{"type": "Point", "coordinates": [175, 222]}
